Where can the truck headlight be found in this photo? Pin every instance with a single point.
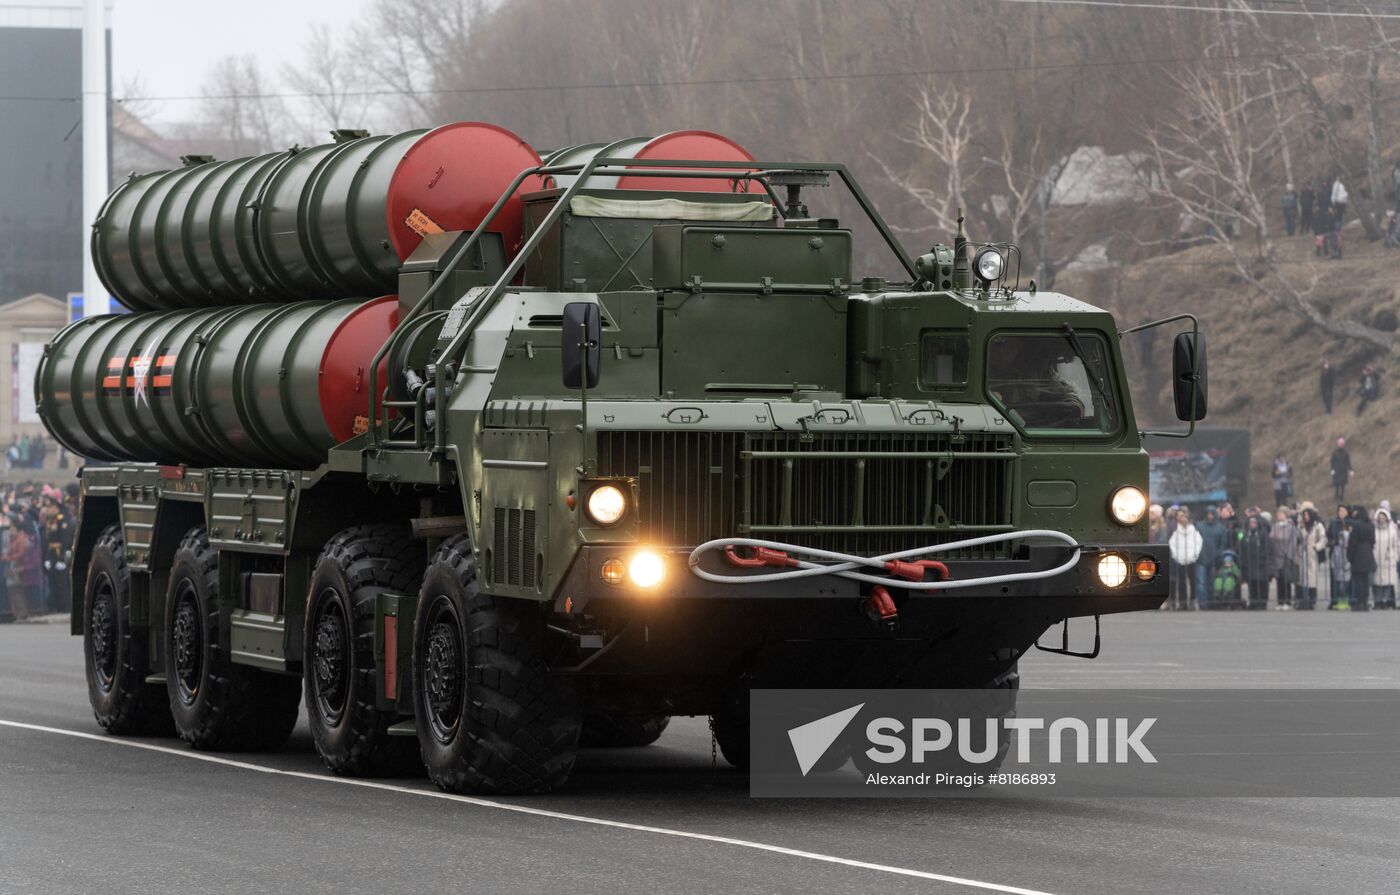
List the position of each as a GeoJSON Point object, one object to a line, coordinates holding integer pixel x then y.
{"type": "Point", "coordinates": [606, 504]}
{"type": "Point", "coordinates": [1128, 505]}
{"type": "Point", "coordinates": [646, 569]}
{"type": "Point", "coordinates": [1113, 570]}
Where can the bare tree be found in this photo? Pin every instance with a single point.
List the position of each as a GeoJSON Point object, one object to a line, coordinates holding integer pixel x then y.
{"type": "Point", "coordinates": [1209, 161]}
{"type": "Point", "coordinates": [330, 81]}
{"type": "Point", "coordinates": [242, 109]}
{"type": "Point", "coordinates": [945, 162]}
{"type": "Point", "coordinates": [1313, 54]}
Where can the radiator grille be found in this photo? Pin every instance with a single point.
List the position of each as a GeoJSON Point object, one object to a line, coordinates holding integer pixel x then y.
{"type": "Point", "coordinates": [696, 486]}
{"type": "Point", "coordinates": [514, 546]}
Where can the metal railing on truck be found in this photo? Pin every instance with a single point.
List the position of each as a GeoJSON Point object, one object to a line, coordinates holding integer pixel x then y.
{"type": "Point", "coordinates": [600, 164]}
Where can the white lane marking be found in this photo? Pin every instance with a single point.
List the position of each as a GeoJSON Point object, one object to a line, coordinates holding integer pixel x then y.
{"type": "Point", "coordinates": [537, 812]}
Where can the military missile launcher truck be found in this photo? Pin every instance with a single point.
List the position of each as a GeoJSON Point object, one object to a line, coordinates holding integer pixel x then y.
{"type": "Point", "coordinates": [483, 455]}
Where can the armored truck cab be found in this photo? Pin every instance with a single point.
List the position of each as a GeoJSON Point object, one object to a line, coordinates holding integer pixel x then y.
{"type": "Point", "coordinates": [667, 449]}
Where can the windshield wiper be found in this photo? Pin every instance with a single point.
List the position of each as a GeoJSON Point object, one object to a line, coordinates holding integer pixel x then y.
{"type": "Point", "coordinates": [1092, 371]}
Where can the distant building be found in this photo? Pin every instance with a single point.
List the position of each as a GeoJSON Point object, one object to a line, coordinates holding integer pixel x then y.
{"type": "Point", "coordinates": [25, 325]}
{"type": "Point", "coordinates": [41, 152]}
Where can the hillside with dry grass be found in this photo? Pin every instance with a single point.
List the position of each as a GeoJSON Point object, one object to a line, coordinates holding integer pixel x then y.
{"type": "Point", "coordinates": [1265, 362]}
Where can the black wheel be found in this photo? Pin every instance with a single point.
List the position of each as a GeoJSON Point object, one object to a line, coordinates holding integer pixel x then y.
{"type": "Point", "coordinates": [730, 728]}
{"type": "Point", "coordinates": [995, 699]}
{"type": "Point", "coordinates": [214, 703]}
{"type": "Point", "coordinates": [490, 716]}
{"type": "Point", "coordinates": [350, 732]}
{"type": "Point", "coordinates": [603, 729]}
{"type": "Point", "coordinates": [115, 655]}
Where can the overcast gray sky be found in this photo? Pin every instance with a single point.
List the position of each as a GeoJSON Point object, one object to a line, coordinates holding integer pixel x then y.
{"type": "Point", "coordinates": [169, 44]}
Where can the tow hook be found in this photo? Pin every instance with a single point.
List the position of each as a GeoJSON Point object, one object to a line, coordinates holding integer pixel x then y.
{"type": "Point", "coordinates": [879, 608]}
{"type": "Point", "coordinates": [917, 570]}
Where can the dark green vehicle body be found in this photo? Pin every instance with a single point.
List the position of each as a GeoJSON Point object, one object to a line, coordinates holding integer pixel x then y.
{"type": "Point", "coordinates": [751, 385]}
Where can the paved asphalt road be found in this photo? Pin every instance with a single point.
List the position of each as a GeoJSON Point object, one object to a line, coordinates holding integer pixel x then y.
{"type": "Point", "coordinates": [85, 813]}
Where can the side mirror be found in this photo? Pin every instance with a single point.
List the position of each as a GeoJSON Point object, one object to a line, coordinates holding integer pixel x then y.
{"type": "Point", "coordinates": [1189, 388]}
{"type": "Point", "coordinates": [580, 343]}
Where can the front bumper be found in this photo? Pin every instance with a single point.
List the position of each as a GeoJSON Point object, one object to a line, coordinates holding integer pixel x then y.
{"type": "Point", "coordinates": [684, 644]}
{"type": "Point", "coordinates": [1075, 592]}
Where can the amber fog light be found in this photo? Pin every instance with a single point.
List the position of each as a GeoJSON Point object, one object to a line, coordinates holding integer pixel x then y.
{"type": "Point", "coordinates": [613, 571]}
{"type": "Point", "coordinates": [1145, 569]}
{"type": "Point", "coordinates": [1113, 570]}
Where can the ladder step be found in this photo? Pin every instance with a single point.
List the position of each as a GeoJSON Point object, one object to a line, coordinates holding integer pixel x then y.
{"type": "Point", "coordinates": [404, 729]}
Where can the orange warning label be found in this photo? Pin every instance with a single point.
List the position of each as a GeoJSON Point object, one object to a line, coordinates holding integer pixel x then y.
{"type": "Point", "coordinates": [421, 224]}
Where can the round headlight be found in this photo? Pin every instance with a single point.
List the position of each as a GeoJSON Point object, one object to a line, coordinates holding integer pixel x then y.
{"type": "Point", "coordinates": [1128, 505]}
{"type": "Point", "coordinates": [989, 265]}
{"type": "Point", "coordinates": [606, 504]}
{"type": "Point", "coordinates": [1113, 570]}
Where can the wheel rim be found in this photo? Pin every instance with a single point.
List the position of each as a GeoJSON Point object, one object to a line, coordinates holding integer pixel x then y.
{"type": "Point", "coordinates": [187, 642]}
{"type": "Point", "coordinates": [330, 645]}
{"type": "Point", "coordinates": [102, 625]}
{"type": "Point", "coordinates": [444, 669]}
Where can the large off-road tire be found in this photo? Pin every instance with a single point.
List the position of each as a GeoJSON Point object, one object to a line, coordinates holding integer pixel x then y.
{"type": "Point", "coordinates": [730, 728]}
{"type": "Point", "coordinates": [115, 655]}
{"type": "Point", "coordinates": [491, 717]}
{"type": "Point", "coordinates": [358, 564]}
{"type": "Point", "coordinates": [997, 699]}
{"type": "Point", "coordinates": [216, 704]}
{"type": "Point", "coordinates": [606, 729]}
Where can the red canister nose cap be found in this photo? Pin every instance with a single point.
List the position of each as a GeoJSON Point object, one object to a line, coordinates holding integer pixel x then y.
{"type": "Point", "coordinates": [343, 385]}
{"type": "Point", "coordinates": [702, 146]}
{"type": "Point", "coordinates": [449, 179]}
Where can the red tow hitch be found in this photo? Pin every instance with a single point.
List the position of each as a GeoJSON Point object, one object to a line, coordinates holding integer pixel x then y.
{"type": "Point", "coordinates": [880, 608]}
{"type": "Point", "coordinates": [762, 556]}
{"type": "Point", "coordinates": [917, 570]}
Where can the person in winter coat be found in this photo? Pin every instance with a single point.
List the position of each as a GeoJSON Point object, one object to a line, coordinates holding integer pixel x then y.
{"type": "Point", "coordinates": [1282, 475]}
{"type": "Point", "coordinates": [1254, 563]}
{"type": "Point", "coordinates": [1286, 541]}
{"type": "Point", "coordinates": [1322, 216]}
{"type": "Point", "coordinates": [58, 545]}
{"type": "Point", "coordinates": [1185, 548]}
{"type": "Point", "coordinates": [1156, 525]}
{"type": "Point", "coordinates": [1386, 552]}
{"type": "Point", "coordinates": [1361, 546]}
{"type": "Point", "coordinates": [1312, 555]}
{"type": "Point", "coordinates": [1369, 387]}
{"type": "Point", "coordinates": [1213, 541]}
{"type": "Point", "coordinates": [22, 561]}
{"type": "Point", "coordinates": [1225, 587]}
{"type": "Point", "coordinates": [1305, 208]}
{"type": "Point", "coordinates": [1326, 383]}
{"type": "Point", "coordinates": [1339, 203]}
{"type": "Point", "coordinates": [1338, 566]}
{"type": "Point", "coordinates": [1341, 470]}
{"type": "Point", "coordinates": [1289, 203]}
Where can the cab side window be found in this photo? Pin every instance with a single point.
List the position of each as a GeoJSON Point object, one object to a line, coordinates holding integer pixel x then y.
{"type": "Point", "coordinates": [943, 357]}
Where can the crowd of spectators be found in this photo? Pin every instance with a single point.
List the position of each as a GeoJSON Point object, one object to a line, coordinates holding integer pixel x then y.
{"type": "Point", "coordinates": [36, 534]}
{"type": "Point", "coordinates": [1230, 560]}
{"type": "Point", "coordinates": [29, 453]}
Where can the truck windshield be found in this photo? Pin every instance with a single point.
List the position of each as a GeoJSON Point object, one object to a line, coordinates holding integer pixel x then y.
{"type": "Point", "coordinates": [1053, 382]}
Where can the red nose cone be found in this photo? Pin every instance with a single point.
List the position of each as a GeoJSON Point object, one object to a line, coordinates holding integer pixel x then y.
{"type": "Point", "coordinates": [344, 383]}
{"type": "Point", "coordinates": [450, 178]}
{"type": "Point", "coordinates": [701, 146]}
